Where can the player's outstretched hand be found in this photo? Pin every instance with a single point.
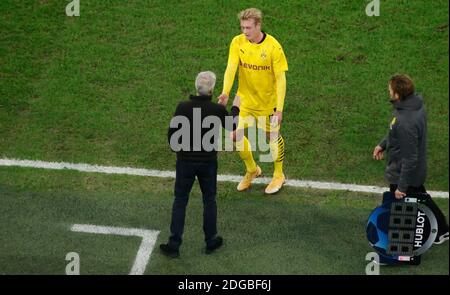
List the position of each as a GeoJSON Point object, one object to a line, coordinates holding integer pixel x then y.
{"type": "Point", "coordinates": [223, 99]}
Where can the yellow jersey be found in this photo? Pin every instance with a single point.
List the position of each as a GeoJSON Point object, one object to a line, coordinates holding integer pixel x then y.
{"type": "Point", "coordinates": [258, 63]}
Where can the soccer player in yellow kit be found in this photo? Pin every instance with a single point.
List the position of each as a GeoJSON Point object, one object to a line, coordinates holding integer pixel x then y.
{"type": "Point", "coordinates": [262, 89]}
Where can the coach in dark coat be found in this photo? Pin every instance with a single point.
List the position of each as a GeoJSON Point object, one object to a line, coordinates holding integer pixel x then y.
{"type": "Point", "coordinates": [193, 134]}
{"type": "Point", "coordinates": [406, 146]}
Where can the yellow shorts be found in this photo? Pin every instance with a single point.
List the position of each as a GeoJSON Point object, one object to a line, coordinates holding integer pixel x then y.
{"type": "Point", "coordinates": [248, 119]}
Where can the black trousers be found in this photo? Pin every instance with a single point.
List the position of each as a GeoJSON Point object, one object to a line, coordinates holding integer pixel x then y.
{"type": "Point", "coordinates": [206, 173]}
{"type": "Point", "coordinates": [440, 217]}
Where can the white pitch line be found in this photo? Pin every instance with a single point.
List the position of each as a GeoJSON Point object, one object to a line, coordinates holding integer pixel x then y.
{"type": "Point", "coordinates": [171, 174]}
{"type": "Point", "coordinates": [145, 249]}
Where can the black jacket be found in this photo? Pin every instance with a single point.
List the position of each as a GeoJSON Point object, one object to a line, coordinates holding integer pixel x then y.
{"type": "Point", "coordinates": [406, 144]}
{"type": "Point", "coordinates": [186, 135]}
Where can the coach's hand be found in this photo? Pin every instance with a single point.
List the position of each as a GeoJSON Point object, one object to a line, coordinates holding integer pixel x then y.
{"type": "Point", "coordinates": [276, 118]}
{"type": "Point", "coordinates": [399, 194]}
{"type": "Point", "coordinates": [223, 99]}
{"type": "Point", "coordinates": [378, 153]}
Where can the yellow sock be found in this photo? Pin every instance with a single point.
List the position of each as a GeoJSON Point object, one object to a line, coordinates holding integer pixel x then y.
{"type": "Point", "coordinates": [277, 150]}
{"type": "Point", "coordinates": [245, 152]}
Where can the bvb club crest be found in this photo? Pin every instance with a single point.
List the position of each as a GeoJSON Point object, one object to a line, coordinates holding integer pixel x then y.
{"type": "Point", "coordinates": [263, 54]}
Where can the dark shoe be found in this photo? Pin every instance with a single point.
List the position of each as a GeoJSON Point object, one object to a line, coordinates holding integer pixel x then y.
{"type": "Point", "coordinates": [214, 244]}
{"type": "Point", "coordinates": [169, 251]}
{"type": "Point", "coordinates": [441, 238]}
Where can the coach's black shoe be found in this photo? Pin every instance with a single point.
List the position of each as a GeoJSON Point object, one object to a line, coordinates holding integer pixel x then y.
{"type": "Point", "coordinates": [169, 251]}
{"type": "Point", "coordinates": [216, 243]}
{"type": "Point", "coordinates": [441, 238]}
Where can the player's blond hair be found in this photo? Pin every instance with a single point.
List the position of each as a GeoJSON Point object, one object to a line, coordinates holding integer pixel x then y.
{"type": "Point", "coordinates": [251, 13]}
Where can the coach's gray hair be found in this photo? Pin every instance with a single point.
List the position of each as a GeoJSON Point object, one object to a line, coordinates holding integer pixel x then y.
{"type": "Point", "coordinates": [205, 82]}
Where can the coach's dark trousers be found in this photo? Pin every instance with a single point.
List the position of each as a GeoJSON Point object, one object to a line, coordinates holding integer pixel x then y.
{"type": "Point", "coordinates": [206, 173]}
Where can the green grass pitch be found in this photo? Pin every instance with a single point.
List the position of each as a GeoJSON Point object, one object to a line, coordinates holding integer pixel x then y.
{"type": "Point", "coordinates": [101, 88]}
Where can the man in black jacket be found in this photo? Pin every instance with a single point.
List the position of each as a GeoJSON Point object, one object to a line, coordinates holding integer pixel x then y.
{"type": "Point", "coordinates": [406, 145]}
{"type": "Point", "coordinates": [196, 143]}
